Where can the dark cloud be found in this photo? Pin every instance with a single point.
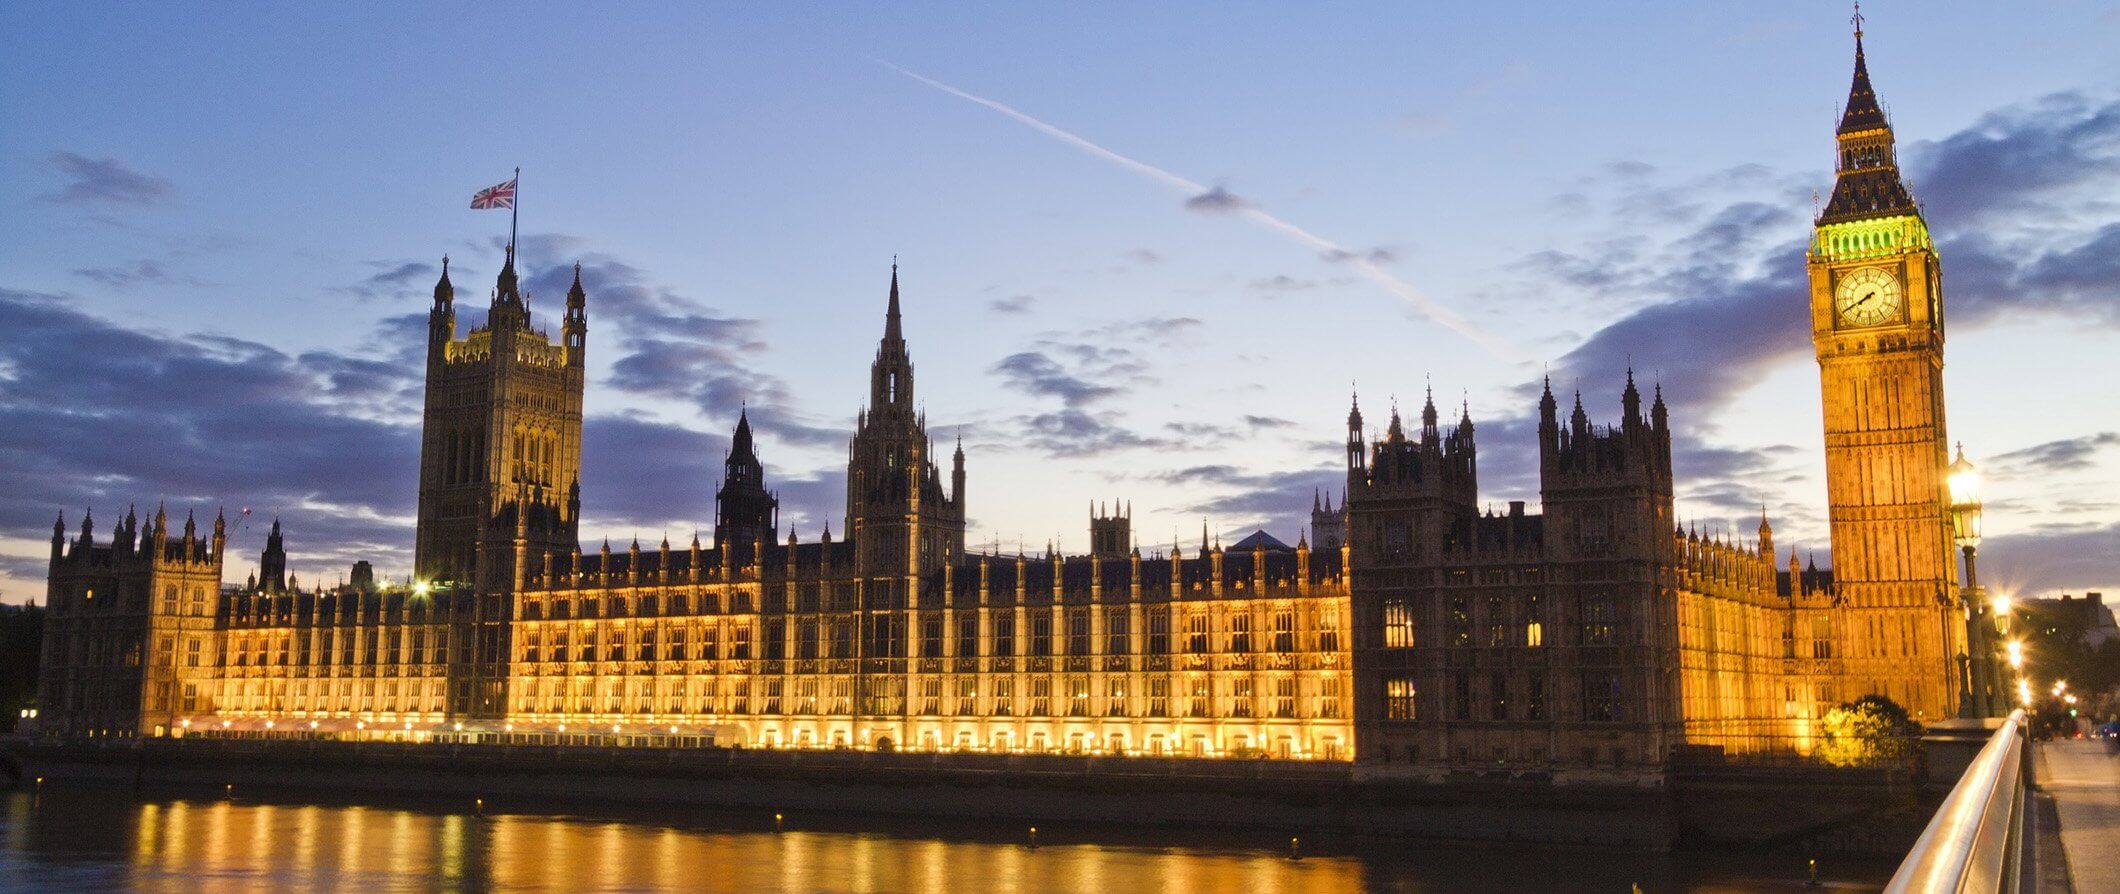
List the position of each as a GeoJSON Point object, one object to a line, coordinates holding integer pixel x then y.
{"type": "Point", "coordinates": [2066, 455]}
{"type": "Point", "coordinates": [93, 413]}
{"type": "Point", "coordinates": [1013, 304]}
{"type": "Point", "coordinates": [145, 272]}
{"type": "Point", "coordinates": [393, 279]}
{"type": "Point", "coordinates": [1218, 201]}
{"type": "Point", "coordinates": [648, 476]}
{"type": "Point", "coordinates": [1074, 432]}
{"type": "Point", "coordinates": [1283, 283]}
{"type": "Point", "coordinates": [1377, 255]}
{"type": "Point", "coordinates": [2061, 558]}
{"type": "Point", "coordinates": [1040, 375]}
{"type": "Point", "coordinates": [1273, 500]}
{"type": "Point", "coordinates": [104, 182]}
{"type": "Point", "coordinates": [671, 346]}
{"type": "Point", "coordinates": [1083, 368]}
{"type": "Point", "coordinates": [2018, 163]}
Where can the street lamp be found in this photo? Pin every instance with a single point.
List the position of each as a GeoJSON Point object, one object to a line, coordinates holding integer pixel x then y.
{"type": "Point", "coordinates": [1963, 484]}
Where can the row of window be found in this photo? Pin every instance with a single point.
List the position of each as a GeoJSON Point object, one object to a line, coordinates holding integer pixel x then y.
{"type": "Point", "coordinates": [1600, 698]}
{"type": "Point", "coordinates": [1496, 625]}
{"type": "Point", "coordinates": [1075, 696]}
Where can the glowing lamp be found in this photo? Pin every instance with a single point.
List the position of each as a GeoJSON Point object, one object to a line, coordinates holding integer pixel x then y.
{"type": "Point", "coordinates": [1963, 483]}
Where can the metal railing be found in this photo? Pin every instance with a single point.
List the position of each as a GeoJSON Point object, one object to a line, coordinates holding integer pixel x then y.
{"type": "Point", "coordinates": [1976, 841]}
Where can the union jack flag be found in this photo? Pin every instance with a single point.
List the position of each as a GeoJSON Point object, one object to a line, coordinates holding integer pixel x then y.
{"type": "Point", "coordinates": [499, 195]}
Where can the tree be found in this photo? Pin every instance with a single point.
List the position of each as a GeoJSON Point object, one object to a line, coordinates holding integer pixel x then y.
{"type": "Point", "coordinates": [1868, 731]}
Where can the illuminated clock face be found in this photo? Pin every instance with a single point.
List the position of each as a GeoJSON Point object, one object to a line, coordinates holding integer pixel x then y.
{"type": "Point", "coordinates": [1867, 297]}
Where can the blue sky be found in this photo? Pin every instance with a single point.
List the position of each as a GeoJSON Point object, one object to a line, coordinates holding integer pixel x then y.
{"type": "Point", "coordinates": [219, 226]}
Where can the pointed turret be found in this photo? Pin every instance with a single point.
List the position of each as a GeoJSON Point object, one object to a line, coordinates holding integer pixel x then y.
{"type": "Point", "coordinates": [444, 290]}
{"type": "Point", "coordinates": [1868, 185]}
{"type": "Point", "coordinates": [272, 564]}
{"type": "Point", "coordinates": [1766, 535]}
{"type": "Point", "coordinates": [893, 331]}
{"type": "Point", "coordinates": [1862, 111]}
{"type": "Point", "coordinates": [1396, 433]}
{"type": "Point", "coordinates": [1355, 446]}
{"type": "Point", "coordinates": [505, 288]}
{"type": "Point", "coordinates": [740, 446]}
{"type": "Point", "coordinates": [1430, 433]}
{"type": "Point", "coordinates": [1631, 400]}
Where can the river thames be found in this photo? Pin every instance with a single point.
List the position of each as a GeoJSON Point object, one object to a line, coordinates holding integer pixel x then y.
{"type": "Point", "coordinates": [111, 839]}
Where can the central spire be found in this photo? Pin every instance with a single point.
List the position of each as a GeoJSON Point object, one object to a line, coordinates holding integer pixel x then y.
{"type": "Point", "coordinates": [891, 378]}
{"type": "Point", "coordinates": [892, 333]}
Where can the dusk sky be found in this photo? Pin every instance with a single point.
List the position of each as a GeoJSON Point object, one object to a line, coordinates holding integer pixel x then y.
{"type": "Point", "coordinates": [1145, 251]}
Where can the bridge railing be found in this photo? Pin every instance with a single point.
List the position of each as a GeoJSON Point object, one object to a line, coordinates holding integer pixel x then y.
{"type": "Point", "coordinates": [1976, 841]}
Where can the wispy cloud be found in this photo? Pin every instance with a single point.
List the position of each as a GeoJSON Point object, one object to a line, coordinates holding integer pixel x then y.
{"type": "Point", "coordinates": [1201, 197]}
{"type": "Point", "coordinates": [104, 181]}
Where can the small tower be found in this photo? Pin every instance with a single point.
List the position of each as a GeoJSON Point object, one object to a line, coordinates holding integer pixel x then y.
{"type": "Point", "coordinates": [272, 563]}
{"type": "Point", "coordinates": [1111, 535]}
{"type": "Point", "coordinates": [745, 513]}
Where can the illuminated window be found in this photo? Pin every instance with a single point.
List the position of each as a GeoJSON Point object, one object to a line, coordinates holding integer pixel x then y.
{"type": "Point", "coordinates": [1196, 632]}
{"type": "Point", "coordinates": [1398, 624]}
{"type": "Point", "coordinates": [1497, 622]}
{"type": "Point", "coordinates": [1078, 632]}
{"type": "Point", "coordinates": [1399, 693]}
{"type": "Point", "coordinates": [1284, 696]}
{"type": "Point", "coordinates": [1240, 631]}
{"type": "Point", "coordinates": [1116, 634]}
{"type": "Point", "coordinates": [1078, 695]}
{"type": "Point", "coordinates": [1460, 621]}
{"type": "Point", "coordinates": [1241, 697]}
{"type": "Point", "coordinates": [1115, 697]}
{"type": "Point", "coordinates": [1284, 630]}
{"type": "Point", "coordinates": [1159, 631]}
{"type": "Point", "coordinates": [1159, 697]}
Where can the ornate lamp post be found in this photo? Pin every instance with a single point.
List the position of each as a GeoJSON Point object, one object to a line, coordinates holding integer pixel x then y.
{"type": "Point", "coordinates": [1963, 484]}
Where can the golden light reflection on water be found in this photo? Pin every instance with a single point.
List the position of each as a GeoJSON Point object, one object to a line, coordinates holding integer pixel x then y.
{"type": "Point", "coordinates": [222, 845]}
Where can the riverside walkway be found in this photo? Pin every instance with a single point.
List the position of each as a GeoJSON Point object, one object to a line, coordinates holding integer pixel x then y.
{"type": "Point", "coordinates": [2082, 777]}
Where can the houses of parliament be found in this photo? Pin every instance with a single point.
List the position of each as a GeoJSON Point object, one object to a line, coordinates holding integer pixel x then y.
{"type": "Point", "coordinates": [1407, 631]}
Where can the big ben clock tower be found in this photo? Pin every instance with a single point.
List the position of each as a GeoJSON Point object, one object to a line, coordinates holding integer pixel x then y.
{"type": "Point", "coordinates": [1877, 322]}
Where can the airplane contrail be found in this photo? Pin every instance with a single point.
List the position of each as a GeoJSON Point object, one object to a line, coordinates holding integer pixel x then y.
{"type": "Point", "coordinates": [1405, 291]}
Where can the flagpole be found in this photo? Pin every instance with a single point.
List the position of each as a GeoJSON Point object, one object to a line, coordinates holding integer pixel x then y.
{"type": "Point", "coordinates": [514, 209]}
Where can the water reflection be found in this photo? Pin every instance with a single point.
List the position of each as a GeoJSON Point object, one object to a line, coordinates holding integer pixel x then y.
{"type": "Point", "coordinates": [66, 840]}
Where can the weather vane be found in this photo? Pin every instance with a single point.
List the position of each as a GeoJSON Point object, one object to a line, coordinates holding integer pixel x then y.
{"type": "Point", "coordinates": [1857, 19]}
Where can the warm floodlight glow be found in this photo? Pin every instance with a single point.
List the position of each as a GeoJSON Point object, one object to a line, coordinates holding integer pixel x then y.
{"type": "Point", "coordinates": [421, 588]}
{"type": "Point", "coordinates": [2016, 650]}
{"type": "Point", "coordinates": [1963, 483]}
